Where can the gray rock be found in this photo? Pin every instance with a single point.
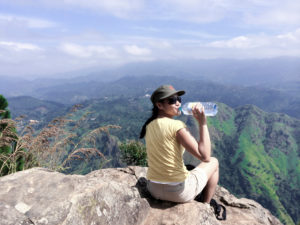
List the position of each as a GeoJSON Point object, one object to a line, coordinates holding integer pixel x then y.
{"type": "Point", "coordinates": [109, 196]}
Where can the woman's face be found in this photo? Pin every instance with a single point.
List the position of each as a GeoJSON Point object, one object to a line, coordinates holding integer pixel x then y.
{"type": "Point", "coordinates": [170, 106]}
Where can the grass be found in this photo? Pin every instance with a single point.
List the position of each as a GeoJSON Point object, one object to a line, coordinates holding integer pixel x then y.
{"type": "Point", "coordinates": [227, 126]}
{"type": "Point", "coordinates": [55, 146]}
{"type": "Point", "coordinates": [257, 166]}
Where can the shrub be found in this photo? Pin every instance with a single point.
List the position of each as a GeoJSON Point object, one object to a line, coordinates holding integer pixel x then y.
{"type": "Point", "coordinates": [133, 153]}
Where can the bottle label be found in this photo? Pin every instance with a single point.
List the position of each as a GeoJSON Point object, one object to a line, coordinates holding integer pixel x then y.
{"type": "Point", "coordinates": [191, 105]}
{"type": "Point", "coordinates": [210, 108]}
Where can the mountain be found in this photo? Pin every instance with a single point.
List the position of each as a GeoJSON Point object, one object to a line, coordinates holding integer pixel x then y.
{"type": "Point", "coordinates": [34, 109]}
{"type": "Point", "coordinates": [259, 156]}
{"type": "Point", "coordinates": [16, 86]}
{"type": "Point", "coordinates": [259, 152]}
{"type": "Point", "coordinates": [271, 100]}
{"type": "Point", "coordinates": [279, 74]}
{"type": "Point", "coordinates": [242, 72]}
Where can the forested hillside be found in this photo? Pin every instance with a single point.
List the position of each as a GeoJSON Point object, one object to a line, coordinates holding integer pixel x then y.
{"type": "Point", "coordinates": [258, 151]}
{"type": "Point", "coordinates": [259, 154]}
{"type": "Point", "coordinates": [35, 109]}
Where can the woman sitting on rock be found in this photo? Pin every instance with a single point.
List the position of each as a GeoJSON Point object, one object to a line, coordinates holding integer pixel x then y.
{"type": "Point", "coordinates": [166, 140]}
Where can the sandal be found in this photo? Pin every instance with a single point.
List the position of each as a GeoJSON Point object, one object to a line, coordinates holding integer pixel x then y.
{"type": "Point", "coordinates": [218, 208]}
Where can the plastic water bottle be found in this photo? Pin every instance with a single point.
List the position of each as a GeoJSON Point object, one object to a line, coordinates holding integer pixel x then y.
{"type": "Point", "coordinates": [210, 108]}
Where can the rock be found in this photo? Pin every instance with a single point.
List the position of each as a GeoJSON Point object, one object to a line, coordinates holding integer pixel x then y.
{"type": "Point", "coordinates": [109, 196]}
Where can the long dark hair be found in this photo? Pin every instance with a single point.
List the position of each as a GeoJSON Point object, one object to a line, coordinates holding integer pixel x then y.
{"type": "Point", "coordinates": [153, 117]}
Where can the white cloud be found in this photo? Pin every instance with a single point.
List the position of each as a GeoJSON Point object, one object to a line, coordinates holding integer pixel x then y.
{"type": "Point", "coordinates": [254, 12]}
{"type": "Point", "coordinates": [273, 13]}
{"type": "Point", "coordinates": [118, 8]}
{"type": "Point", "coordinates": [147, 29]}
{"type": "Point", "coordinates": [137, 51]}
{"type": "Point", "coordinates": [241, 42]}
{"type": "Point", "coordinates": [199, 34]}
{"type": "Point", "coordinates": [204, 11]}
{"type": "Point", "coordinates": [290, 36]}
{"type": "Point", "coordinates": [88, 51]}
{"type": "Point", "coordinates": [16, 46]}
{"type": "Point", "coordinates": [258, 46]}
{"type": "Point", "coordinates": [160, 44]}
{"type": "Point", "coordinates": [28, 21]}
{"type": "Point", "coordinates": [289, 40]}
{"type": "Point", "coordinates": [91, 33]}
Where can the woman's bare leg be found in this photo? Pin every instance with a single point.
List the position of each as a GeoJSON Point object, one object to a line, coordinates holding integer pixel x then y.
{"type": "Point", "coordinates": [211, 169]}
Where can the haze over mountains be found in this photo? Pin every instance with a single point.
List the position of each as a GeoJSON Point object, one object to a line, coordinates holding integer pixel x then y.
{"type": "Point", "coordinates": [271, 84]}
{"type": "Point", "coordinates": [227, 71]}
{"type": "Point", "coordinates": [244, 72]}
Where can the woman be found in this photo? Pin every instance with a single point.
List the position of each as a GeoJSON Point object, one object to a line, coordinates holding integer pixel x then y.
{"type": "Point", "coordinates": [166, 139]}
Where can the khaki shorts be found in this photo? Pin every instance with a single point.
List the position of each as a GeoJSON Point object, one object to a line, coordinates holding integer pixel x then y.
{"type": "Point", "coordinates": [182, 192]}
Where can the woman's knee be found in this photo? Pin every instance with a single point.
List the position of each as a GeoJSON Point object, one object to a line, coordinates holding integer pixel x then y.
{"type": "Point", "coordinates": [215, 162]}
{"type": "Point", "coordinates": [211, 166]}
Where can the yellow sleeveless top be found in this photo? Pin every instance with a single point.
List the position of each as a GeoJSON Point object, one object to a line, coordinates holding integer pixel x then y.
{"type": "Point", "coordinates": [164, 153]}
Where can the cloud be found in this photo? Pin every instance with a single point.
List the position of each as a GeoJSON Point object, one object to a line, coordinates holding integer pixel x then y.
{"type": "Point", "coordinates": [118, 8]}
{"type": "Point", "coordinates": [15, 46]}
{"type": "Point", "coordinates": [205, 11]}
{"type": "Point", "coordinates": [273, 13]}
{"type": "Point", "coordinates": [19, 56]}
{"type": "Point", "coordinates": [251, 12]}
{"type": "Point", "coordinates": [27, 21]}
{"type": "Point", "coordinates": [160, 44]}
{"type": "Point", "coordinates": [258, 46]}
{"type": "Point", "coordinates": [290, 36]}
{"type": "Point", "coordinates": [289, 40]}
{"type": "Point", "coordinates": [199, 34]}
{"type": "Point", "coordinates": [137, 51]}
{"type": "Point", "coordinates": [93, 32]}
{"type": "Point", "coordinates": [89, 51]}
{"type": "Point", "coordinates": [241, 42]}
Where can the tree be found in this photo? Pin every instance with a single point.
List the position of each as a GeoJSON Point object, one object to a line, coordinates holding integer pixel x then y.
{"type": "Point", "coordinates": [4, 112]}
{"type": "Point", "coordinates": [7, 137]}
{"type": "Point", "coordinates": [133, 153]}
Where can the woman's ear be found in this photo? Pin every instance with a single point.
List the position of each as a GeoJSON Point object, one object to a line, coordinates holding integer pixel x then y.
{"type": "Point", "coordinates": [159, 105]}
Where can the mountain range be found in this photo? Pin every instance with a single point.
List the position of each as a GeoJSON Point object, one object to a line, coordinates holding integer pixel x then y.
{"type": "Point", "coordinates": [259, 152]}
{"type": "Point", "coordinates": [255, 135]}
{"type": "Point", "coordinates": [271, 100]}
{"type": "Point", "coordinates": [279, 76]}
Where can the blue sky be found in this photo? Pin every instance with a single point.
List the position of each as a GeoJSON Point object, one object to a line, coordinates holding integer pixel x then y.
{"type": "Point", "coordinates": [44, 37]}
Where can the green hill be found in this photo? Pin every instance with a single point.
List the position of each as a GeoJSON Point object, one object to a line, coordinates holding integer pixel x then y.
{"type": "Point", "coordinates": [259, 156]}
{"type": "Point", "coordinates": [259, 152]}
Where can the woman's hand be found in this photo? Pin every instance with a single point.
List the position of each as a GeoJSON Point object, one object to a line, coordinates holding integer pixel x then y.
{"type": "Point", "coordinates": [199, 114]}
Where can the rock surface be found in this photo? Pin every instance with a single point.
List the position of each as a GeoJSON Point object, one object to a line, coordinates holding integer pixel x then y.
{"type": "Point", "coordinates": [109, 196]}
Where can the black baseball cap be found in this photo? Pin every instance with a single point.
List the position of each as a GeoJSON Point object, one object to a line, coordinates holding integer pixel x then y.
{"type": "Point", "coordinates": [163, 92]}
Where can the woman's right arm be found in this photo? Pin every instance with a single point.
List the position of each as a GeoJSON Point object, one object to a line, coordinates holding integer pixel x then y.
{"type": "Point", "coordinates": [202, 148]}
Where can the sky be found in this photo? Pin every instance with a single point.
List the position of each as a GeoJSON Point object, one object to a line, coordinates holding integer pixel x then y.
{"type": "Point", "coordinates": [46, 37]}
